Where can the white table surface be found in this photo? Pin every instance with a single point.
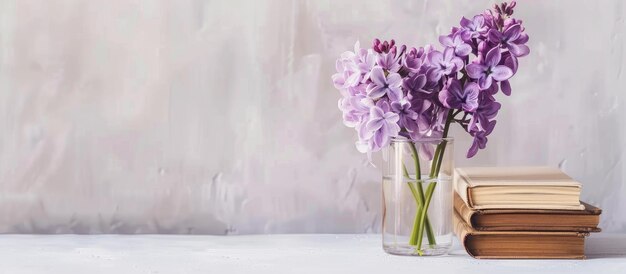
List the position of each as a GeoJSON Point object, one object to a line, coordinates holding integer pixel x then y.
{"type": "Point", "coordinates": [321, 253]}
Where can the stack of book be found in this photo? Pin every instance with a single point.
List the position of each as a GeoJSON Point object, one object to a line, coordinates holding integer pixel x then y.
{"type": "Point", "coordinates": [521, 212]}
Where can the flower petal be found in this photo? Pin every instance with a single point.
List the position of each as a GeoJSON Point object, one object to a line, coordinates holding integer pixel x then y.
{"type": "Point", "coordinates": [420, 81]}
{"type": "Point", "coordinates": [511, 62]}
{"type": "Point", "coordinates": [391, 117]}
{"type": "Point", "coordinates": [463, 49]}
{"type": "Point", "coordinates": [427, 152]}
{"type": "Point", "coordinates": [448, 54]}
{"type": "Point", "coordinates": [522, 39]}
{"type": "Point", "coordinates": [394, 93]}
{"type": "Point", "coordinates": [393, 129]}
{"type": "Point", "coordinates": [518, 50]}
{"type": "Point", "coordinates": [445, 40]}
{"type": "Point", "coordinates": [490, 127]}
{"type": "Point", "coordinates": [362, 146]}
{"type": "Point", "coordinates": [475, 70]}
{"type": "Point", "coordinates": [397, 107]}
{"type": "Point", "coordinates": [433, 74]}
{"type": "Point", "coordinates": [357, 46]}
{"type": "Point", "coordinates": [473, 149]}
{"type": "Point", "coordinates": [376, 113]}
{"type": "Point", "coordinates": [494, 36]}
{"type": "Point", "coordinates": [394, 80]}
{"type": "Point", "coordinates": [466, 35]}
{"type": "Point", "coordinates": [501, 73]}
{"type": "Point", "coordinates": [493, 57]}
{"type": "Point", "coordinates": [374, 124]}
{"type": "Point", "coordinates": [513, 32]}
{"type": "Point", "coordinates": [470, 93]}
{"type": "Point", "coordinates": [449, 100]}
{"type": "Point", "coordinates": [352, 81]}
{"type": "Point", "coordinates": [379, 137]}
{"type": "Point", "coordinates": [363, 133]}
{"type": "Point", "coordinates": [506, 87]}
{"type": "Point", "coordinates": [435, 57]}
{"type": "Point", "coordinates": [458, 64]}
{"type": "Point", "coordinates": [378, 76]}
{"type": "Point", "coordinates": [338, 80]}
{"type": "Point", "coordinates": [464, 21]}
{"type": "Point", "coordinates": [478, 21]}
{"type": "Point", "coordinates": [485, 82]}
{"type": "Point", "coordinates": [375, 91]}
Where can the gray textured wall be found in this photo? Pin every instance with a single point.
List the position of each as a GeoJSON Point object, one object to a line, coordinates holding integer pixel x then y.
{"type": "Point", "coordinates": [220, 117]}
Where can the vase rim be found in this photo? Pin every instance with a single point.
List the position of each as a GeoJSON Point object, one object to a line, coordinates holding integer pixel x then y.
{"type": "Point", "coordinates": [423, 140]}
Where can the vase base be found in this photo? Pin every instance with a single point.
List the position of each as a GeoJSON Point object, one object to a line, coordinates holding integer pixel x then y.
{"type": "Point", "coordinates": [408, 250]}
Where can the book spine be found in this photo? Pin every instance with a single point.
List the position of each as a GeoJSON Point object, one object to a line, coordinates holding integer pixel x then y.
{"type": "Point", "coordinates": [462, 187]}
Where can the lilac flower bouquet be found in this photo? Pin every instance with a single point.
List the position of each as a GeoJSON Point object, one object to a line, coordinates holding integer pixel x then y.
{"type": "Point", "coordinates": [392, 92]}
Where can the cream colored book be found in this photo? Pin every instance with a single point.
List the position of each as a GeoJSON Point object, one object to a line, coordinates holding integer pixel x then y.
{"type": "Point", "coordinates": [517, 188]}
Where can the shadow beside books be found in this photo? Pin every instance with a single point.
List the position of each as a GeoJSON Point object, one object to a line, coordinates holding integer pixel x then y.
{"type": "Point", "coordinates": [605, 245]}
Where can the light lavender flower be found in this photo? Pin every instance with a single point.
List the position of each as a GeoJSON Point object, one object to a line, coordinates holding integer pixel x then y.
{"type": "Point", "coordinates": [456, 42]}
{"type": "Point", "coordinates": [473, 28]}
{"type": "Point", "coordinates": [389, 91]}
{"type": "Point", "coordinates": [388, 62]}
{"type": "Point", "coordinates": [441, 64]}
{"type": "Point", "coordinates": [382, 85]}
{"type": "Point", "coordinates": [381, 127]}
{"type": "Point", "coordinates": [408, 116]}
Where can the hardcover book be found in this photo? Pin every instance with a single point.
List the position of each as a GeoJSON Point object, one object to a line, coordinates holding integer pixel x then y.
{"type": "Point", "coordinates": [520, 244]}
{"type": "Point", "coordinates": [517, 188]}
{"type": "Point", "coordinates": [529, 219]}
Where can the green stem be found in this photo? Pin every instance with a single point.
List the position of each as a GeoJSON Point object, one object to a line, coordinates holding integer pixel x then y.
{"type": "Point", "coordinates": [419, 201]}
{"type": "Point", "coordinates": [435, 168]}
{"type": "Point", "coordinates": [420, 191]}
{"type": "Point", "coordinates": [438, 157]}
{"type": "Point", "coordinates": [416, 225]}
{"type": "Point", "coordinates": [429, 194]}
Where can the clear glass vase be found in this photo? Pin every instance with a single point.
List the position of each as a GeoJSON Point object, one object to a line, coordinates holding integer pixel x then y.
{"type": "Point", "coordinates": [418, 197]}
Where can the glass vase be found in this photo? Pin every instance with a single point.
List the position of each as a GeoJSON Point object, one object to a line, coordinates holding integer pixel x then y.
{"type": "Point", "coordinates": [418, 197]}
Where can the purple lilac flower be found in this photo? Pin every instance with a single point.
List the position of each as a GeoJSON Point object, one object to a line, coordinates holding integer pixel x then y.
{"type": "Point", "coordinates": [480, 139]}
{"type": "Point", "coordinates": [383, 47]}
{"type": "Point", "coordinates": [423, 109]}
{"type": "Point", "coordinates": [487, 110]}
{"type": "Point", "coordinates": [345, 76]}
{"type": "Point", "coordinates": [511, 39]}
{"type": "Point", "coordinates": [511, 62]}
{"type": "Point", "coordinates": [426, 127]}
{"type": "Point", "coordinates": [414, 86]}
{"type": "Point", "coordinates": [443, 64]}
{"type": "Point", "coordinates": [505, 9]}
{"type": "Point", "coordinates": [473, 28]}
{"type": "Point", "coordinates": [490, 92]}
{"type": "Point", "coordinates": [456, 42]}
{"type": "Point", "coordinates": [382, 85]}
{"type": "Point", "coordinates": [388, 62]}
{"type": "Point", "coordinates": [412, 60]}
{"type": "Point", "coordinates": [382, 126]}
{"type": "Point", "coordinates": [489, 70]}
{"type": "Point", "coordinates": [407, 115]}
{"type": "Point", "coordinates": [353, 68]}
{"type": "Point", "coordinates": [456, 96]}
{"type": "Point", "coordinates": [389, 91]}
{"type": "Point", "coordinates": [355, 109]}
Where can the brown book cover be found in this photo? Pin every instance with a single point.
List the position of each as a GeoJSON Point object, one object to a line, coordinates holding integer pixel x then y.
{"type": "Point", "coordinates": [529, 219]}
{"type": "Point", "coordinates": [520, 244]}
{"type": "Point", "coordinates": [517, 188]}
